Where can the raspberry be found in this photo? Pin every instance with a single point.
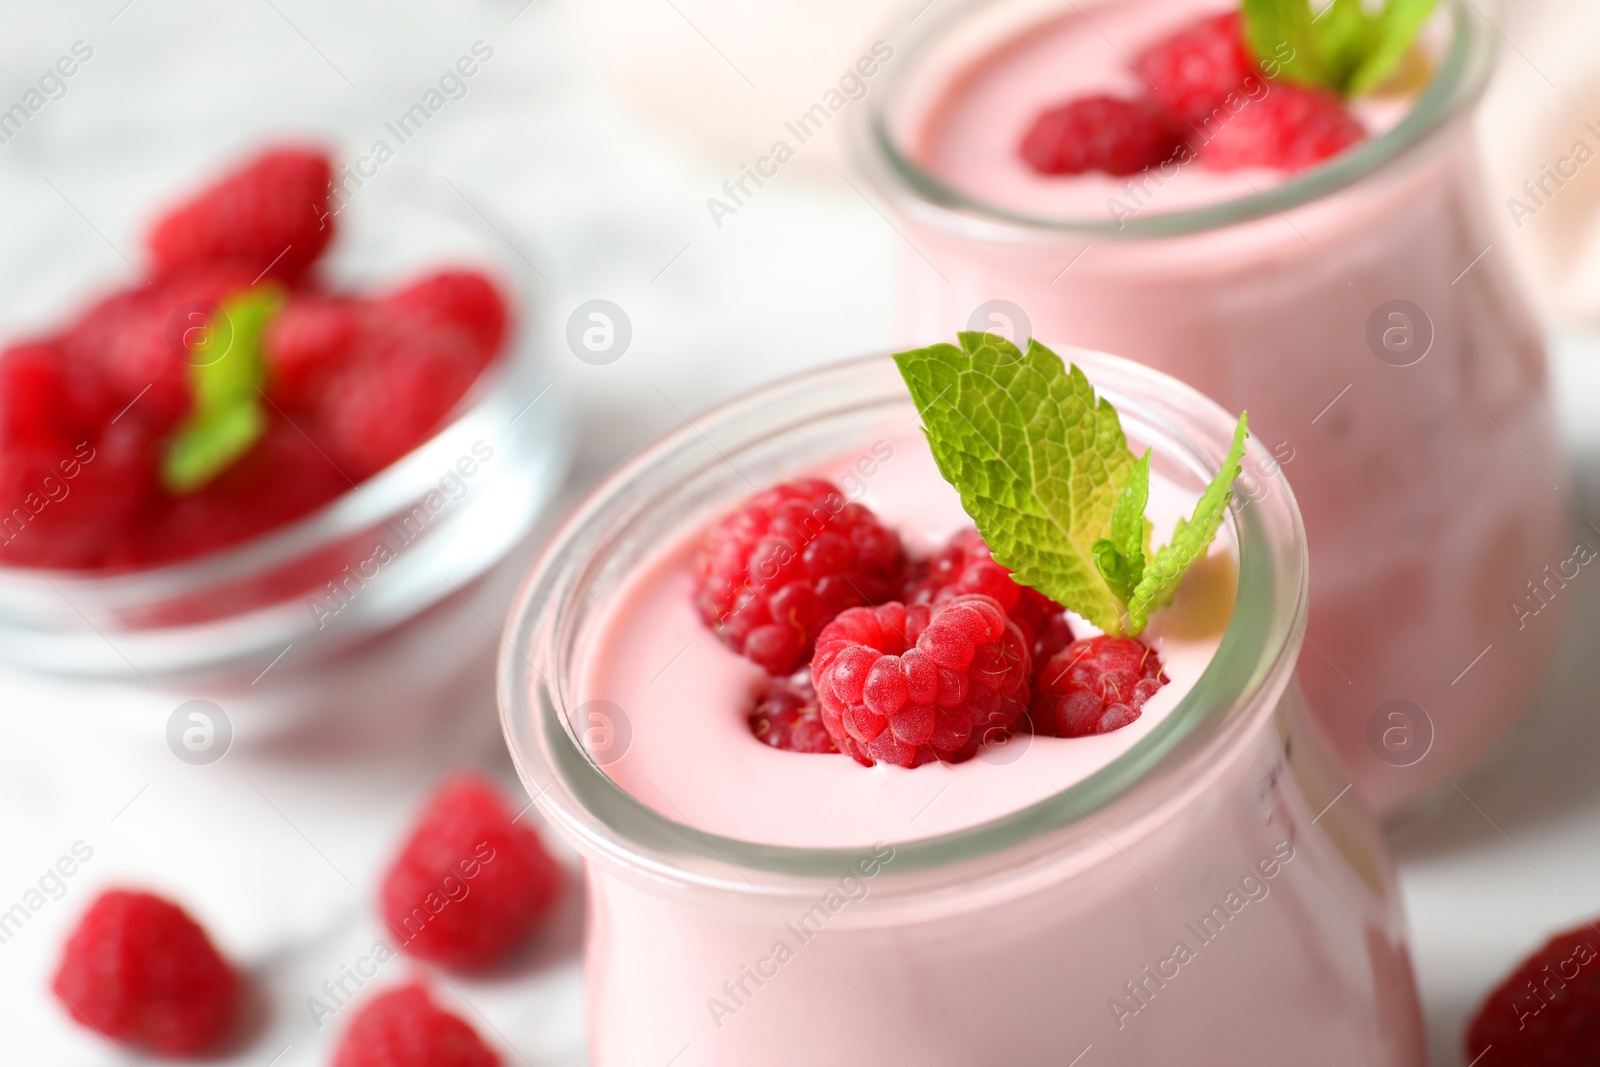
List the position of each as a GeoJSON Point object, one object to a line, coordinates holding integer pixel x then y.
{"type": "Point", "coordinates": [1099, 133]}
{"type": "Point", "coordinates": [470, 884]}
{"type": "Point", "coordinates": [397, 387]}
{"type": "Point", "coordinates": [1094, 686]}
{"type": "Point", "coordinates": [1547, 1011]}
{"type": "Point", "coordinates": [405, 1028]}
{"type": "Point", "coordinates": [269, 213]}
{"type": "Point", "coordinates": [787, 717]}
{"type": "Point", "coordinates": [461, 298]}
{"type": "Point", "coordinates": [772, 574]}
{"type": "Point", "coordinates": [965, 565]}
{"type": "Point", "coordinates": [1194, 70]}
{"type": "Point", "coordinates": [1290, 128]}
{"type": "Point", "coordinates": [908, 685]}
{"type": "Point", "coordinates": [72, 505]}
{"type": "Point", "coordinates": [283, 477]}
{"type": "Point", "coordinates": [35, 406]}
{"type": "Point", "coordinates": [139, 969]}
{"type": "Point", "coordinates": [307, 341]}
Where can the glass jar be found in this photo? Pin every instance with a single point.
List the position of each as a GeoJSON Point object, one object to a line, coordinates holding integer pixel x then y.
{"type": "Point", "coordinates": [365, 620]}
{"type": "Point", "coordinates": [1214, 892]}
{"type": "Point", "coordinates": [1361, 315]}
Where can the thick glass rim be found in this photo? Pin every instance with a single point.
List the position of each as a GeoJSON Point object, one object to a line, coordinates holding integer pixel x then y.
{"type": "Point", "coordinates": [1240, 687]}
{"type": "Point", "coordinates": [1464, 66]}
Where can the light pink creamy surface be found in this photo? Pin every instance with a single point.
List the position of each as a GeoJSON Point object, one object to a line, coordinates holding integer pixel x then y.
{"type": "Point", "coordinates": [692, 757]}
{"type": "Point", "coordinates": [1428, 474]}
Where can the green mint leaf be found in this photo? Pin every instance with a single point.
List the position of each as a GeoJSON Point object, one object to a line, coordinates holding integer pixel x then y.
{"type": "Point", "coordinates": [1039, 461]}
{"type": "Point", "coordinates": [1190, 539]}
{"type": "Point", "coordinates": [226, 418]}
{"type": "Point", "coordinates": [1343, 48]}
{"type": "Point", "coordinates": [1281, 37]}
{"type": "Point", "coordinates": [1121, 555]}
{"type": "Point", "coordinates": [1398, 27]}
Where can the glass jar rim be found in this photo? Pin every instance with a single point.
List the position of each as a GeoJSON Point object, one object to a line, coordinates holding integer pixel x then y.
{"type": "Point", "coordinates": [1251, 669]}
{"type": "Point", "coordinates": [1458, 81]}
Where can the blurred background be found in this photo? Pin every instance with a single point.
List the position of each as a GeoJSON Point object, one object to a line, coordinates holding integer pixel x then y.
{"type": "Point", "coordinates": [592, 135]}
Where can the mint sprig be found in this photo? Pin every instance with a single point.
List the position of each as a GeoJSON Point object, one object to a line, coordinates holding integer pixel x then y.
{"type": "Point", "coordinates": [1044, 470]}
{"type": "Point", "coordinates": [226, 417]}
{"type": "Point", "coordinates": [1344, 48]}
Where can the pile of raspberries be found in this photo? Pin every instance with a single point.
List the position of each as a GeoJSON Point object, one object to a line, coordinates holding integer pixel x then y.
{"type": "Point", "coordinates": [893, 660]}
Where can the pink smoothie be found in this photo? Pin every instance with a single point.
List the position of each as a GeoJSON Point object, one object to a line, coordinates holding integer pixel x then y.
{"type": "Point", "coordinates": [686, 696]}
{"type": "Point", "coordinates": [1378, 340]}
{"type": "Point", "coordinates": [1199, 887]}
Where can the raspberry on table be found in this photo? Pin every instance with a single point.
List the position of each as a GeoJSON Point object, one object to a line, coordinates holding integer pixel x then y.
{"type": "Point", "coordinates": [405, 1028]}
{"type": "Point", "coordinates": [270, 214]}
{"type": "Point", "coordinates": [461, 298]}
{"type": "Point", "coordinates": [788, 717]}
{"type": "Point", "coordinates": [1094, 686]}
{"type": "Point", "coordinates": [782, 566]}
{"type": "Point", "coordinates": [965, 565]}
{"type": "Point", "coordinates": [1099, 133]}
{"type": "Point", "coordinates": [1547, 1012]}
{"type": "Point", "coordinates": [909, 685]}
{"type": "Point", "coordinates": [470, 884]}
{"type": "Point", "coordinates": [1290, 128]}
{"type": "Point", "coordinates": [1192, 72]}
{"type": "Point", "coordinates": [138, 969]}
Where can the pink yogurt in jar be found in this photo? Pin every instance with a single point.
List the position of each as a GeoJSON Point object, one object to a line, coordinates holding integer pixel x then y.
{"type": "Point", "coordinates": [1356, 309]}
{"type": "Point", "coordinates": [1196, 884]}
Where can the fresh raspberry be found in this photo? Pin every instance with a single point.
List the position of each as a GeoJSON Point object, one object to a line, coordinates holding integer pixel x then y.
{"type": "Point", "coordinates": [269, 213]}
{"type": "Point", "coordinates": [908, 685]}
{"type": "Point", "coordinates": [405, 1028]}
{"type": "Point", "coordinates": [1192, 72]}
{"type": "Point", "coordinates": [139, 969]}
{"type": "Point", "coordinates": [1099, 133]}
{"type": "Point", "coordinates": [470, 884]}
{"type": "Point", "coordinates": [399, 384]}
{"type": "Point", "coordinates": [461, 298]}
{"type": "Point", "coordinates": [1094, 686]}
{"type": "Point", "coordinates": [788, 717]}
{"type": "Point", "coordinates": [35, 406]}
{"type": "Point", "coordinates": [139, 341]}
{"type": "Point", "coordinates": [306, 342]}
{"type": "Point", "coordinates": [772, 574]}
{"type": "Point", "coordinates": [1547, 1011]}
{"type": "Point", "coordinates": [284, 477]}
{"type": "Point", "coordinates": [1290, 128]}
{"type": "Point", "coordinates": [965, 565]}
{"type": "Point", "coordinates": [72, 505]}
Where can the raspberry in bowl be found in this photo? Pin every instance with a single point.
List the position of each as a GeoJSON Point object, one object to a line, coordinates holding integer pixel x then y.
{"type": "Point", "coordinates": [285, 438]}
{"type": "Point", "coordinates": [952, 868]}
{"type": "Point", "coordinates": [1174, 182]}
